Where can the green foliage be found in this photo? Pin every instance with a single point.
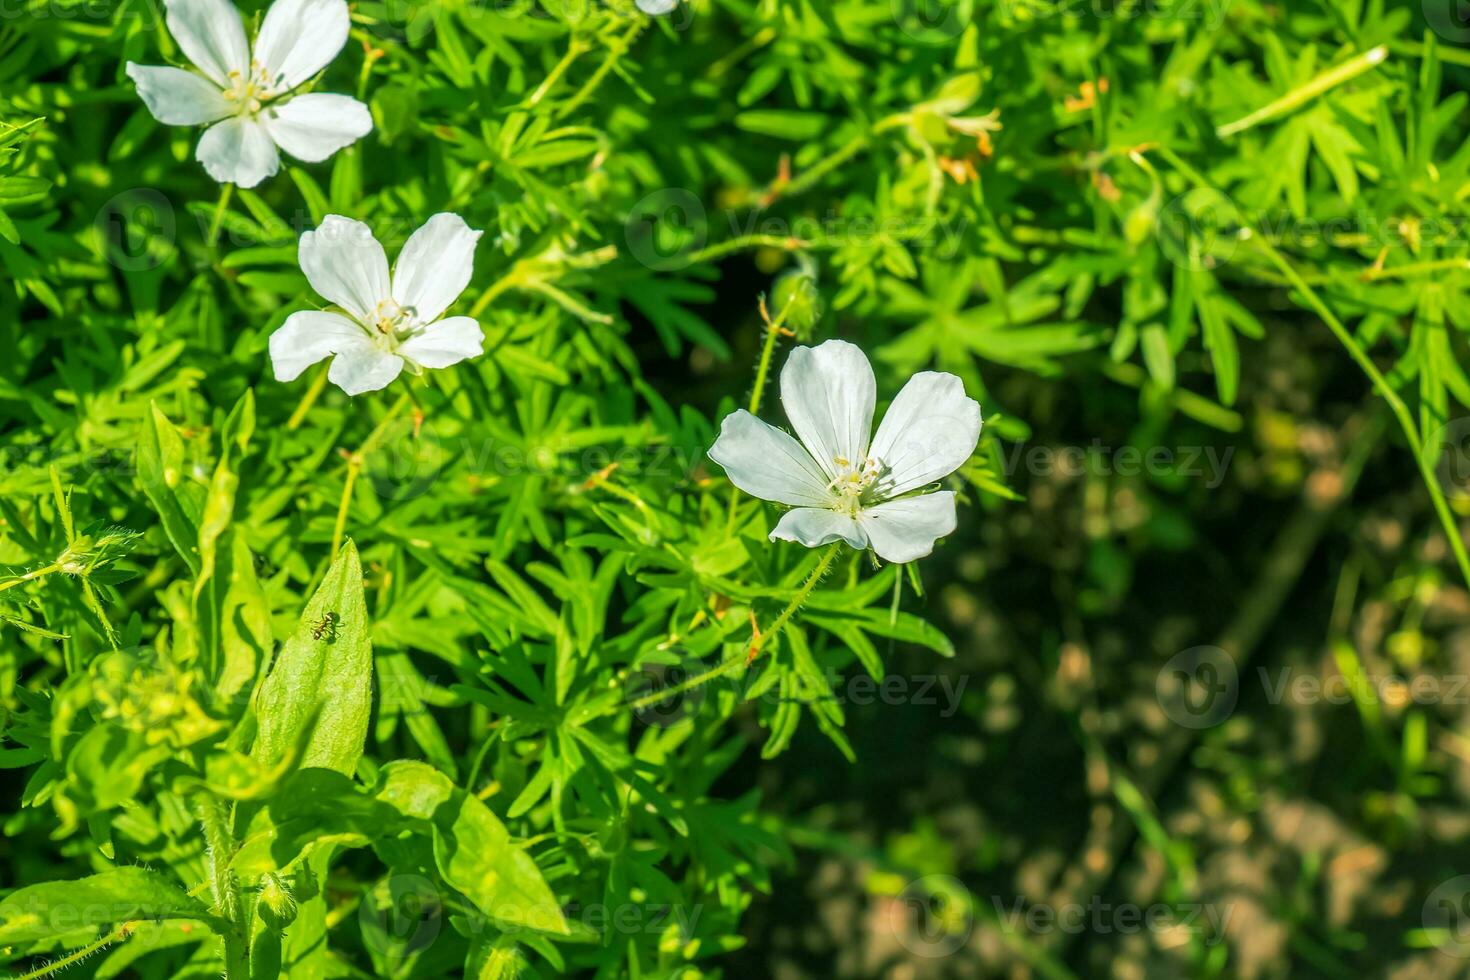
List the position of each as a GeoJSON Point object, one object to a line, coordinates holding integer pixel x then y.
{"type": "Point", "coordinates": [497, 639]}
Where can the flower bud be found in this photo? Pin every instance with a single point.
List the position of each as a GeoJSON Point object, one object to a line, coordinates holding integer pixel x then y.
{"type": "Point", "coordinates": [796, 293]}
{"type": "Point", "coordinates": [277, 906]}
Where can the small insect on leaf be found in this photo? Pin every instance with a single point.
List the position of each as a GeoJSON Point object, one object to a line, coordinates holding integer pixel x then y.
{"type": "Point", "coordinates": [325, 628]}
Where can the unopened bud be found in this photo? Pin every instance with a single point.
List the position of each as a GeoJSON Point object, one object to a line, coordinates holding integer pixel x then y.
{"type": "Point", "coordinates": [277, 906]}
{"type": "Point", "coordinates": [796, 293]}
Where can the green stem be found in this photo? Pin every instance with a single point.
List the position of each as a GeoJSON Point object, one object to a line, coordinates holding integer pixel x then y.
{"type": "Point", "coordinates": [1355, 350]}
{"type": "Point", "coordinates": [218, 852]}
{"type": "Point", "coordinates": [773, 331]}
{"type": "Point", "coordinates": [809, 178]}
{"type": "Point", "coordinates": [509, 280]}
{"type": "Point", "coordinates": [757, 643]}
{"type": "Point", "coordinates": [575, 49]}
{"type": "Point", "coordinates": [1303, 94]}
{"type": "Point", "coordinates": [616, 50]}
{"type": "Point", "coordinates": [354, 464]}
{"type": "Point", "coordinates": [1415, 269]}
{"type": "Point", "coordinates": [312, 394]}
{"type": "Point", "coordinates": [786, 243]}
{"type": "Point", "coordinates": [77, 955]}
{"type": "Point", "coordinates": [226, 190]}
{"type": "Point", "coordinates": [31, 576]}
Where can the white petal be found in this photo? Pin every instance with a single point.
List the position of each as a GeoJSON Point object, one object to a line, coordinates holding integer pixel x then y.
{"type": "Point", "coordinates": [211, 35]}
{"type": "Point", "coordinates": [930, 430]}
{"type": "Point", "coordinates": [344, 262]}
{"type": "Point", "coordinates": [767, 463]}
{"type": "Point", "coordinates": [656, 7]}
{"type": "Point", "coordinates": [310, 335]}
{"type": "Point", "coordinates": [445, 342]}
{"type": "Point", "coordinates": [828, 392]}
{"type": "Point", "coordinates": [435, 266]}
{"type": "Point", "coordinates": [902, 530]}
{"type": "Point", "coordinates": [364, 369]}
{"type": "Point", "coordinates": [298, 39]}
{"type": "Point", "coordinates": [238, 151]}
{"type": "Point", "coordinates": [177, 97]}
{"type": "Point", "coordinates": [313, 127]}
{"type": "Point", "coordinates": [815, 526]}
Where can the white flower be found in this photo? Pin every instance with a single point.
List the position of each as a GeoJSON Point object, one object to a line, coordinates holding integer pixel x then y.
{"type": "Point", "coordinates": [247, 94]}
{"type": "Point", "coordinates": [390, 321]}
{"type": "Point", "coordinates": [656, 7]}
{"type": "Point", "coordinates": [843, 486]}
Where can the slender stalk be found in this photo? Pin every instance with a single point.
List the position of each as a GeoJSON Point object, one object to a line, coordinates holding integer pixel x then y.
{"type": "Point", "coordinates": [226, 191]}
{"type": "Point", "coordinates": [312, 394]}
{"type": "Point", "coordinates": [617, 49]}
{"type": "Point", "coordinates": [1355, 350]}
{"type": "Point", "coordinates": [773, 331]}
{"type": "Point", "coordinates": [77, 955]}
{"type": "Point", "coordinates": [786, 243]}
{"type": "Point", "coordinates": [354, 465]}
{"type": "Point", "coordinates": [1303, 94]}
{"type": "Point", "coordinates": [809, 178]}
{"type": "Point", "coordinates": [1395, 403]}
{"type": "Point", "coordinates": [31, 576]}
{"type": "Point", "coordinates": [575, 49]}
{"type": "Point", "coordinates": [1416, 269]}
{"type": "Point", "coordinates": [757, 643]}
{"type": "Point", "coordinates": [1446, 53]}
{"type": "Point", "coordinates": [508, 281]}
{"type": "Point", "coordinates": [828, 556]}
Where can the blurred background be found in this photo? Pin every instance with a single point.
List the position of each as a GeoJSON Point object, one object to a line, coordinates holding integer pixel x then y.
{"type": "Point", "coordinates": [1207, 712]}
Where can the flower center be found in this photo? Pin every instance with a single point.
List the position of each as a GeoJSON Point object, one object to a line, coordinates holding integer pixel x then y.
{"type": "Point", "coordinates": [250, 92]}
{"type": "Point", "coordinates": [853, 481]}
{"type": "Point", "coordinates": [391, 324]}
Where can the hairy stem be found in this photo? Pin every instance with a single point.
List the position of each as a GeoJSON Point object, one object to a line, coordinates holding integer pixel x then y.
{"type": "Point", "coordinates": [218, 851]}
{"type": "Point", "coordinates": [1355, 350]}
{"type": "Point", "coordinates": [773, 331]}
{"type": "Point", "coordinates": [757, 643]}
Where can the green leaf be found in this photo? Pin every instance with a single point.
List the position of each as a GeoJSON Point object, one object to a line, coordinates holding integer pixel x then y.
{"type": "Point", "coordinates": [322, 678]}
{"type": "Point", "coordinates": [160, 459]}
{"type": "Point", "coordinates": [788, 124]}
{"type": "Point", "coordinates": [60, 908]}
{"type": "Point", "coordinates": [472, 848]}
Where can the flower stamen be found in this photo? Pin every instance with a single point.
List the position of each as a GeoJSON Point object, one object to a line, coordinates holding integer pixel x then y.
{"type": "Point", "coordinates": [251, 92]}
{"type": "Point", "coordinates": [852, 482]}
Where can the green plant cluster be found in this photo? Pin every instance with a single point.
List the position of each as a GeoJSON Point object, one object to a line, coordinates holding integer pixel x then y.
{"type": "Point", "coordinates": [451, 678]}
